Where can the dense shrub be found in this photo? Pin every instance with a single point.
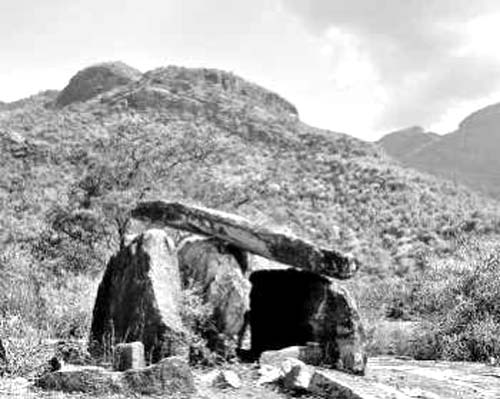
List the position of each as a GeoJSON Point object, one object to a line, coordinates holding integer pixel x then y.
{"type": "Point", "coordinates": [460, 299]}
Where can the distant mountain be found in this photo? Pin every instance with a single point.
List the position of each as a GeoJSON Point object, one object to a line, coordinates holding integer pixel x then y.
{"type": "Point", "coordinates": [402, 142]}
{"type": "Point", "coordinates": [469, 155]}
{"type": "Point", "coordinates": [212, 138]}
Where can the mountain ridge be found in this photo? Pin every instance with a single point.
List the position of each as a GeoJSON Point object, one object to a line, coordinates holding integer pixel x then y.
{"type": "Point", "coordinates": [233, 146]}
{"type": "Point", "coordinates": [467, 156]}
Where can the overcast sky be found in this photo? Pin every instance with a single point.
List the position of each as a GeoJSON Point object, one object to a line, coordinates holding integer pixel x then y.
{"type": "Point", "coordinates": [363, 67]}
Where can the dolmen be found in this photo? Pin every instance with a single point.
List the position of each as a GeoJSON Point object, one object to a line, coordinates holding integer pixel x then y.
{"type": "Point", "coordinates": [139, 297]}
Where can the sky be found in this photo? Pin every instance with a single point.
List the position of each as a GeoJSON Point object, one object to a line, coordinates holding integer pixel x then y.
{"type": "Point", "coordinates": [363, 67]}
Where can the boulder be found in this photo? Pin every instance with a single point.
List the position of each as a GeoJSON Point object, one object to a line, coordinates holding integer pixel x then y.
{"type": "Point", "coordinates": [297, 376]}
{"type": "Point", "coordinates": [248, 236]}
{"type": "Point", "coordinates": [311, 354]}
{"type": "Point", "coordinates": [215, 270]}
{"type": "Point", "coordinates": [268, 374]}
{"type": "Point", "coordinates": [227, 379]}
{"type": "Point", "coordinates": [95, 80]}
{"type": "Point", "coordinates": [169, 377]}
{"type": "Point", "coordinates": [292, 307]}
{"type": "Point", "coordinates": [139, 299]}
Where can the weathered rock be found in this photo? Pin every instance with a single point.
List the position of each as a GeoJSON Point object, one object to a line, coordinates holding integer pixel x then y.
{"type": "Point", "coordinates": [311, 354]}
{"type": "Point", "coordinates": [170, 376]}
{"type": "Point", "coordinates": [167, 377]}
{"type": "Point", "coordinates": [129, 356]}
{"type": "Point", "coordinates": [227, 379]}
{"type": "Point", "coordinates": [268, 374]}
{"type": "Point", "coordinates": [216, 270]}
{"type": "Point", "coordinates": [296, 375]}
{"type": "Point", "coordinates": [139, 298]}
{"type": "Point", "coordinates": [276, 357]}
{"type": "Point", "coordinates": [95, 80]}
{"type": "Point", "coordinates": [248, 236]}
{"type": "Point", "coordinates": [292, 307]}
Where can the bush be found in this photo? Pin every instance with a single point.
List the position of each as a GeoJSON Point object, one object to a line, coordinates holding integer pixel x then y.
{"type": "Point", "coordinates": [460, 299]}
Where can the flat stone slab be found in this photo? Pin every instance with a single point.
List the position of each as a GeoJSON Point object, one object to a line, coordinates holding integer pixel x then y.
{"type": "Point", "coordinates": [248, 236]}
{"type": "Point", "coordinates": [388, 377]}
{"type": "Point", "coordinates": [170, 376]}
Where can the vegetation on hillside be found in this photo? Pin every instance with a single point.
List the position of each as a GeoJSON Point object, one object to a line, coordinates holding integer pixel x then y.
{"type": "Point", "coordinates": [70, 175]}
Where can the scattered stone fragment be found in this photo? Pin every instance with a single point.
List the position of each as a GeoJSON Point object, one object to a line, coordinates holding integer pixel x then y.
{"type": "Point", "coordinates": [129, 356]}
{"type": "Point", "coordinates": [268, 374]}
{"type": "Point", "coordinates": [277, 357]}
{"type": "Point", "coordinates": [227, 379]}
{"type": "Point", "coordinates": [297, 376]}
{"type": "Point", "coordinates": [139, 299]}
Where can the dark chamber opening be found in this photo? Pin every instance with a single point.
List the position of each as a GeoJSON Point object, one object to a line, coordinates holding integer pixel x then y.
{"type": "Point", "coordinates": [283, 304]}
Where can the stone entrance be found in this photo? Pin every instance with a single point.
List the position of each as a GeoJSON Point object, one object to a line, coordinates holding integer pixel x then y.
{"type": "Point", "coordinates": [293, 307]}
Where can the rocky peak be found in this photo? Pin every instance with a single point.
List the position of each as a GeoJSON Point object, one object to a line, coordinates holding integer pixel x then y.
{"type": "Point", "coordinates": [185, 80]}
{"type": "Point", "coordinates": [95, 80]}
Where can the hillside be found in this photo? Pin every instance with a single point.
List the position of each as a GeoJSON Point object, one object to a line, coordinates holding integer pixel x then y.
{"type": "Point", "coordinates": [210, 137]}
{"type": "Point", "coordinates": [72, 167]}
{"type": "Point", "coordinates": [467, 155]}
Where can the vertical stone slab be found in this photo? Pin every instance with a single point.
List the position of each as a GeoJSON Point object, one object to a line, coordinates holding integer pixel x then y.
{"type": "Point", "coordinates": [217, 271]}
{"type": "Point", "coordinates": [139, 299]}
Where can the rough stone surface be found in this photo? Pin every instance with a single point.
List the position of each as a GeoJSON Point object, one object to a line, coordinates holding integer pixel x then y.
{"type": "Point", "coordinates": [216, 270]}
{"type": "Point", "coordinates": [129, 356]}
{"type": "Point", "coordinates": [292, 307]}
{"type": "Point", "coordinates": [311, 354]}
{"type": "Point", "coordinates": [139, 298]}
{"type": "Point", "coordinates": [167, 377]}
{"type": "Point", "coordinates": [170, 376]}
{"type": "Point", "coordinates": [243, 234]}
{"type": "Point", "coordinates": [276, 357]}
{"type": "Point", "coordinates": [298, 377]}
{"type": "Point", "coordinates": [95, 80]}
{"type": "Point", "coordinates": [268, 374]}
{"type": "Point", "coordinates": [227, 379]}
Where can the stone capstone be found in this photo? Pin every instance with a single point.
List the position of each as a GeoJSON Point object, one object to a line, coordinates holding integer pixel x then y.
{"type": "Point", "coordinates": [248, 236]}
{"type": "Point", "coordinates": [139, 299]}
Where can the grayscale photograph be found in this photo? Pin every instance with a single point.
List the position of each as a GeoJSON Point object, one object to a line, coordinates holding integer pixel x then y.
{"type": "Point", "coordinates": [267, 199]}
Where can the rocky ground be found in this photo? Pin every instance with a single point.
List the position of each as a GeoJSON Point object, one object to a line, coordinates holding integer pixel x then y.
{"type": "Point", "coordinates": [387, 377]}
